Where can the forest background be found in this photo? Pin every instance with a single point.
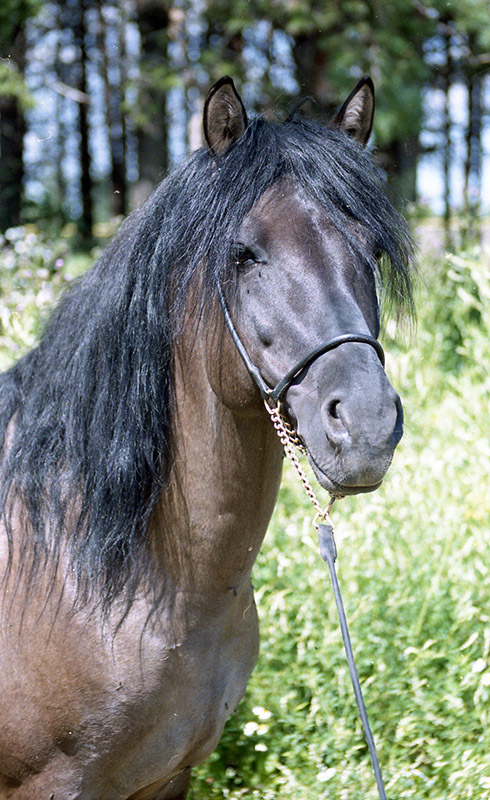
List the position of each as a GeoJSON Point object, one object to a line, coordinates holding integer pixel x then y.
{"type": "Point", "coordinates": [99, 97]}
{"type": "Point", "coordinates": [97, 100]}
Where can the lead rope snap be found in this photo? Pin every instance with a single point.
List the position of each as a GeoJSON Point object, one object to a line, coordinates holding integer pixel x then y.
{"type": "Point", "coordinates": [328, 551]}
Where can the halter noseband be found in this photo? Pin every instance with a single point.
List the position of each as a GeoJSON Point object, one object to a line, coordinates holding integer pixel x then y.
{"type": "Point", "coordinates": [272, 396]}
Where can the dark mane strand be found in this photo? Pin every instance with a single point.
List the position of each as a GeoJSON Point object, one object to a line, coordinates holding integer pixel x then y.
{"type": "Point", "coordinates": [90, 408]}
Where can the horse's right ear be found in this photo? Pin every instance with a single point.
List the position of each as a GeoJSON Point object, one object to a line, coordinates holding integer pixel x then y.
{"type": "Point", "coordinates": [224, 117]}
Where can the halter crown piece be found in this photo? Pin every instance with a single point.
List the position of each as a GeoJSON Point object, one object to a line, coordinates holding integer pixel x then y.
{"type": "Point", "coordinates": [290, 441]}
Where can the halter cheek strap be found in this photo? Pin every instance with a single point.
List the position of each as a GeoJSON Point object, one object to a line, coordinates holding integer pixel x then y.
{"type": "Point", "coordinates": [272, 396]}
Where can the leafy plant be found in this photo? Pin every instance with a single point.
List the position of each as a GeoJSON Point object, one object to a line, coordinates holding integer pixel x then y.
{"type": "Point", "coordinates": [33, 271]}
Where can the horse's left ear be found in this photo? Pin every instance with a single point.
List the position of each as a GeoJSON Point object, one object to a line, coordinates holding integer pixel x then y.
{"type": "Point", "coordinates": [224, 117]}
{"type": "Point", "coordinates": [357, 113]}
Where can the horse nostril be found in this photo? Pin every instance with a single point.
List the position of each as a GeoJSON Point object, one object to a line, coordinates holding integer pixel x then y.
{"type": "Point", "coordinates": [333, 421]}
{"type": "Point", "coordinates": [398, 429]}
{"type": "Point", "coordinates": [333, 409]}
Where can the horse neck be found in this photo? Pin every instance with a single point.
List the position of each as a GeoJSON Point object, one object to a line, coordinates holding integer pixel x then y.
{"type": "Point", "coordinates": [224, 482]}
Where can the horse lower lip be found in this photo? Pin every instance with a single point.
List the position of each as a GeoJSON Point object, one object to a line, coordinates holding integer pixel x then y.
{"type": "Point", "coordinates": [344, 490]}
{"type": "Point", "coordinates": [339, 488]}
{"type": "Point", "coordinates": [336, 488]}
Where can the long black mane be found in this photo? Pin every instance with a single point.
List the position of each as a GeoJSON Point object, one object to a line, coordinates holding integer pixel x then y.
{"type": "Point", "coordinates": [90, 408]}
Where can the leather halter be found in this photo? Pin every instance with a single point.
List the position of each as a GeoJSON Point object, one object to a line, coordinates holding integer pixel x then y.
{"type": "Point", "coordinates": [274, 395]}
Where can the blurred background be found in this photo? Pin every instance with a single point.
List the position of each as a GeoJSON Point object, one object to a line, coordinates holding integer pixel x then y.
{"type": "Point", "coordinates": [97, 100]}
{"type": "Point", "coordinates": [99, 97]}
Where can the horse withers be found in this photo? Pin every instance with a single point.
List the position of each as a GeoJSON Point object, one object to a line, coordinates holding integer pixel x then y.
{"type": "Point", "coordinates": [139, 467]}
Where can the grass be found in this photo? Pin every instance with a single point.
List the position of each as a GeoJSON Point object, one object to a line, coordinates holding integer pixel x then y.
{"type": "Point", "coordinates": [413, 566]}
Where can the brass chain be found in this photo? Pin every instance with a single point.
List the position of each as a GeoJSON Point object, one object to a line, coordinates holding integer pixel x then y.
{"type": "Point", "coordinates": [290, 441]}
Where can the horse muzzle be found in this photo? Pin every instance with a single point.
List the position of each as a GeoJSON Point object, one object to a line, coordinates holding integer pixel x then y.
{"type": "Point", "coordinates": [351, 431]}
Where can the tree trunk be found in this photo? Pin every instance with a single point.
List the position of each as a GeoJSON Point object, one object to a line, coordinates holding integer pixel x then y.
{"type": "Point", "coordinates": [80, 35]}
{"type": "Point", "coordinates": [472, 169]}
{"type": "Point", "coordinates": [12, 130]}
{"type": "Point", "coordinates": [123, 55]}
{"type": "Point", "coordinates": [114, 116]}
{"type": "Point", "coordinates": [399, 161]}
{"type": "Point", "coordinates": [153, 20]}
{"type": "Point", "coordinates": [62, 129]}
{"type": "Point", "coordinates": [447, 80]}
{"type": "Point", "coordinates": [311, 71]}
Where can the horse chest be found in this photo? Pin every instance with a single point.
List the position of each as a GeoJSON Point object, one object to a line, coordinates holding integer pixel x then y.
{"type": "Point", "coordinates": [172, 703]}
{"type": "Point", "coordinates": [137, 709]}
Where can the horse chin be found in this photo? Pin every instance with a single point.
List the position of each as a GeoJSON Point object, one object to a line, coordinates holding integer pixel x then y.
{"type": "Point", "coordinates": [336, 488]}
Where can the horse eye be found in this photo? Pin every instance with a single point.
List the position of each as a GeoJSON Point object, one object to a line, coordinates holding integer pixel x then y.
{"type": "Point", "coordinates": [243, 256]}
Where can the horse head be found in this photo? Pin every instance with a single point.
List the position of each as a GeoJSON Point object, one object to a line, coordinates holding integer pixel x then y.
{"type": "Point", "coordinates": [306, 274]}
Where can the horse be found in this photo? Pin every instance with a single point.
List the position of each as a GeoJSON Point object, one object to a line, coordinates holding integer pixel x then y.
{"type": "Point", "coordinates": [139, 466]}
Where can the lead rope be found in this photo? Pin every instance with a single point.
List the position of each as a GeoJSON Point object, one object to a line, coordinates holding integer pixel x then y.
{"type": "Point", "coordinates": [290, 441]}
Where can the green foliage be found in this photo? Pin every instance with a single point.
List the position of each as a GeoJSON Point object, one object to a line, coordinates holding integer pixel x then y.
{"type": "Point", "coordinates": [13, 15]}
{"type": "Point", "coordinates": [413, 566]}
{"type": "Point", "coordinates": [458, 319]}
{"type": "Point", "coordinates": [332, 44]}
{"type": "Point", "coordinates": [33, 271]}
{"type": "Point", "coordinates": [12, 84]}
